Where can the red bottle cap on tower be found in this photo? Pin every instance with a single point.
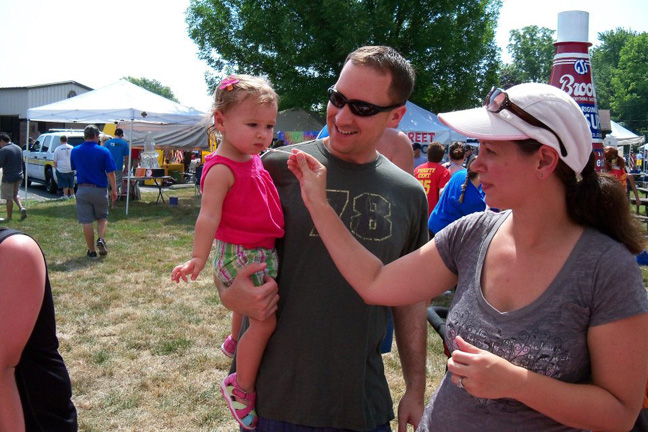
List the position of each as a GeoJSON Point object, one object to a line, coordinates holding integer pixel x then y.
{"type": "Point", "coordinates": [572, 72]}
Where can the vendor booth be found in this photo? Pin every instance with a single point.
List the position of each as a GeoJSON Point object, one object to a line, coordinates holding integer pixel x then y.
{"type": "Point", "coordinates": [296, 125]}
{"type": "Point", "coordinates": [630, 146]}
{"type": "Point", "coordinates": [128, 104]}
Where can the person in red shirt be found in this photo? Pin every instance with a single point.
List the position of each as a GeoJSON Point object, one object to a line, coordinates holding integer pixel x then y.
{"type": "Point", "coordinates": [616, 166]}
{"type": "Point", "coordinates": [432, 175]}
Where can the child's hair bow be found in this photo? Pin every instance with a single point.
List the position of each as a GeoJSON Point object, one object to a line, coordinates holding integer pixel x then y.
{"type": "Point", "coordinates": [228, 83]}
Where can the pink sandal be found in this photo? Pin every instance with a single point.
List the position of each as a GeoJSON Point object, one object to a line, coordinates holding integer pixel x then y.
{"type": "Point", "coordinates": [229, 346]}
{"type": "Point", "coordinates": [240, 403]}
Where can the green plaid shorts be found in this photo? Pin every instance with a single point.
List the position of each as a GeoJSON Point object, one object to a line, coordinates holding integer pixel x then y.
{"type": "Point", "coordinates": [231, 258]}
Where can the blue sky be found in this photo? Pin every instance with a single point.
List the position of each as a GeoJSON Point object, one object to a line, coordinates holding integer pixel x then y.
{"type": "Point", "coordinates": [96, 43]}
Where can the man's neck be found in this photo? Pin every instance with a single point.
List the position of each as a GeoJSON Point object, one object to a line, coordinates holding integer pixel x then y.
{"type": "Point", "coordinates": [352, 158]}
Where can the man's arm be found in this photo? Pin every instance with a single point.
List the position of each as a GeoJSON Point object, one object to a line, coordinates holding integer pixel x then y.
{"type": "Point", "coordinates": [257, 302]}
{"type": "Point", "coordinates": [21, 296]}
{"type": "Point", "coordinates": [113, 185]}
{"type": "Point", "coordinates": [411, 337]}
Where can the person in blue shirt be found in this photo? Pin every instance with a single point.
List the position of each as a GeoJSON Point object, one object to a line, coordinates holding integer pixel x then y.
{"type": "Point", "coordinates": [95, 169]}
{"type": "Point", "coordinates": [118, 148]}
{"type": "Point", "coordinates": [461, 196]}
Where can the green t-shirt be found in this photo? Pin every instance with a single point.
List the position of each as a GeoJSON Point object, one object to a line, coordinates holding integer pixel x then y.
{"type": "Point", "coordinates": [322, 366]}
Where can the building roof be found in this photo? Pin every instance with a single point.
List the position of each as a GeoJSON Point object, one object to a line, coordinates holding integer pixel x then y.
{"type": "Point", "coordinates": [48, 85]}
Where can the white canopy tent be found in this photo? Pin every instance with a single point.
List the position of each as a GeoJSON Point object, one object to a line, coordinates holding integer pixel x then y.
{"type": "Point", "coordinates": [168, 136]}
{"type": "Point", "coordinates": [118, 102]}
{"type": "Point", "coordinates": [621, 136]}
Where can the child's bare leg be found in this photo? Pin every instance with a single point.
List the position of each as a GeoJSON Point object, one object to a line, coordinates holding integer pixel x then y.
{"type": "Point", "coordinates": [250, 350]}
{"type": "Point", "coordinates": [237, 318]}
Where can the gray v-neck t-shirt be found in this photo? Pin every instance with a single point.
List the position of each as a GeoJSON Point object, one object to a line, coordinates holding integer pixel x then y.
{"type": "Point", "coordinates": [599, 283]}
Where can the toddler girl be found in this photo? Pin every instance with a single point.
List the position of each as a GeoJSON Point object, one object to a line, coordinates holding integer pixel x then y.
{"type": "Point", "coordinates": [241, 210]}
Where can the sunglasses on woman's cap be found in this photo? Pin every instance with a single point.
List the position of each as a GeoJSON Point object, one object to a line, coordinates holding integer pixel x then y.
{"type": "Point", "coordinates": [357, 107]}
{"type": "Point", "coordinates": [498, 100]}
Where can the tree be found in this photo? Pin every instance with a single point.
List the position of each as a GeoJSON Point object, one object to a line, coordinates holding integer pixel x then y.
{"type": "Point", "coordinates": [509, 76]}
{"type": "Point", "coordinates": [532, 53]}
{"type": "Point", "coordinates": [605, 60]}
{"type": "Point", "coordinates": [301, 45]}
{"type": "Point", "coordinates": [630, 84]}
{"type": "Point", "coordinates": [154, 86]}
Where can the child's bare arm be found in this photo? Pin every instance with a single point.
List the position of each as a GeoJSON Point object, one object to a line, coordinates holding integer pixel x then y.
{"type": "Point", "coordinates": [218, 182]}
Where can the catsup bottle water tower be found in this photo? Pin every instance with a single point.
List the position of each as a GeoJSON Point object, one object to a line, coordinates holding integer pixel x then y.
{"type": "Point", "coordinates": [572, 72]}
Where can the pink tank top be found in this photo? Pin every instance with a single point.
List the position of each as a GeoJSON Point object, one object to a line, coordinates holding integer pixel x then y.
{"type": "Point", "coordinates": [251, 214]}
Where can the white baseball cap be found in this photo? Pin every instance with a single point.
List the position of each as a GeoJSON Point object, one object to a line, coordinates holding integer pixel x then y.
{"type": "Point", "coordinates": [548, 104]}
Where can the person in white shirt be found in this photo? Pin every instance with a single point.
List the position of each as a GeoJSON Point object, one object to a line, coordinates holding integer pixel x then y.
{"type": "Point", "coordinates": [64, 171]}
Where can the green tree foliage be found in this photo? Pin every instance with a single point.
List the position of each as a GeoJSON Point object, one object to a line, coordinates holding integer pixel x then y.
{"type": "Point", "coordinates": [605, 60]}
{"type": "Point", "coordinates": [508, 76]}
{"type": "Point", "coordinates": [154, 86]}
{"type": "Point", "coordinates": [532, 53]}
{"type": "Point", "coordinates": [630, 84]}
{"type": "Point", "coordinates": [301, 45]}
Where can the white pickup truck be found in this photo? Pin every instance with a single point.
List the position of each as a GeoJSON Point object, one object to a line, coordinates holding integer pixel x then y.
{"type": "Point", "coordinates": [38, 164]}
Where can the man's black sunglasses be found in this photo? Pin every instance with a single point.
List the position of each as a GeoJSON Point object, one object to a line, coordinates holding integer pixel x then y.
{"type": "Point", "coordinates": [357, 107]}
{"type": "Point", "coordinates": [498, 100]}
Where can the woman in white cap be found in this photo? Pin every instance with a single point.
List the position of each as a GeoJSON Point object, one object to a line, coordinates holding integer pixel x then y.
{"type": "Point", "coordinates": [548, 327]}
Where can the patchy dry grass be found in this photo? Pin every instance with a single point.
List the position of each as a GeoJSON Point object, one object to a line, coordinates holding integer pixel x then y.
{"type": "Point", "coordinates": [143, 353]}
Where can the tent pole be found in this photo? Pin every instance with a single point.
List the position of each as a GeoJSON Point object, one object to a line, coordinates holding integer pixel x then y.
{"type": "Point", "coordinates": [26, 162]}
{"type": "Point", "coordinates": [130, 158]}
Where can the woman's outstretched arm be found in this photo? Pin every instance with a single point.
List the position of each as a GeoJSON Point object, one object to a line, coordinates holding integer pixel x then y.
{"type": "Point", "coordinates": [420, 275]}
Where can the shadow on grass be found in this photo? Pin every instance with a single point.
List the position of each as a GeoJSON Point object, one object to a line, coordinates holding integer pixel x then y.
{"type": "Point", "coordinates": [73, 263]}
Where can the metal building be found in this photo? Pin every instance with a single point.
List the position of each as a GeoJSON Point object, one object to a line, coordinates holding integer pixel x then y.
{"type": "Point", "coordinates": [15, 101]}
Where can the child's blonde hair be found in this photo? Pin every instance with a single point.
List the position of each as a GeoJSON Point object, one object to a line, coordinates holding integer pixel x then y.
{"type": "Point", "coordinates": [237, 88]}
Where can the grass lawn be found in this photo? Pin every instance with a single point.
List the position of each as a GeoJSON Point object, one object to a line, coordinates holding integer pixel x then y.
{"type": "Point", "coordinates": [143, 353]}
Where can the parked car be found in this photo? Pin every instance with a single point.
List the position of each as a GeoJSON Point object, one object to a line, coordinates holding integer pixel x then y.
{"type": "Point", "coordinates": [38, 165]}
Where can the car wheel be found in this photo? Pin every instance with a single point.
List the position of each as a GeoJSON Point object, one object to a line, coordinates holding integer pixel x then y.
{"type": "Point", "coordinates": [50, 184]}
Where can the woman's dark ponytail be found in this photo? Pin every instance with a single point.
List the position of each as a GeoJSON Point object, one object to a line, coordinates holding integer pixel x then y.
{"type": "Point", "coordinates": [597, 200]}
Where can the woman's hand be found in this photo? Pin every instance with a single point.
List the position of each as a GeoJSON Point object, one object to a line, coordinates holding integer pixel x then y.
{"type": "Point", "coordinates": [312, 177]}
{"type": "Point", "coordinates": [482, 373]}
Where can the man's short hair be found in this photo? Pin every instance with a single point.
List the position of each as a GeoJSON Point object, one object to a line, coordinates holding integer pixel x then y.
{"type": "Point", "coordinates": [435, 152]}
{"type": "Point", "coordinates": [417, 146]}
{"type": "Point", "coordinates": [387, 60]}
{"type": "Point", "coordinates": [119, 132]}
{"type": "Point", "coordinates": [63, 139]}
{"type": "Point", "coordinates": [90, 132]}
{"type": "Point", "coordinates": [4, 137]}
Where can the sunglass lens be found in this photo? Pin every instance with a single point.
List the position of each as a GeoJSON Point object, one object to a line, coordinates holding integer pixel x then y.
{"type": "Point", "coordinates": [495, 100]}
{"type": "Point", "coordinates": [336, 98]}
{"type": "Point", "coordinates": [362, 109]}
